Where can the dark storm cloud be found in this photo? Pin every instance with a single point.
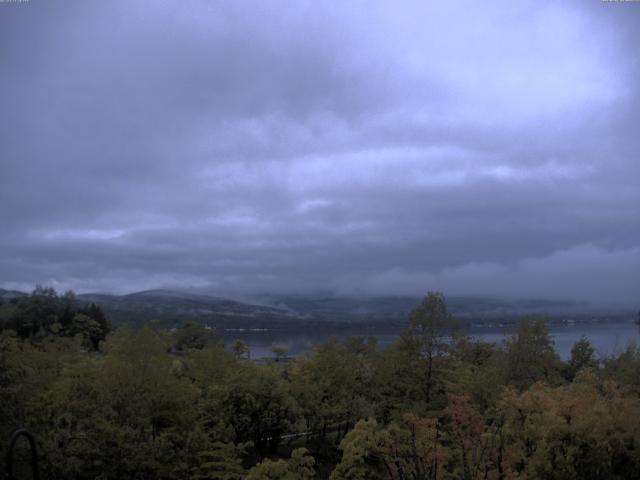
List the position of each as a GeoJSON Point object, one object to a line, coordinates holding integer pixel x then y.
{"type": "Point", "coordinates": [365, 148]}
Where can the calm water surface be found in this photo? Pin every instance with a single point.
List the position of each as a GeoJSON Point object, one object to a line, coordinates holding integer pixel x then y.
{"type": "Point", "coordinates": [609, 338]}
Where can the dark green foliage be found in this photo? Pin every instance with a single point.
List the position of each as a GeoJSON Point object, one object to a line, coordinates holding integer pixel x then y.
{"type": "Point", "coordinates": [194, 336]}
{"type": "Point", "coordinates": [222, 461]}
{"type": "Point", "coordinates": [625, 369]}
{"type": "Point", "coordinates": [240, 348]}
{"type": "Point", "coordinates": [530, 355]}
{"type": "Point", "coordinates": [298, 467]}
{"type": "Point", "coordinates": [428, 336]}
{"type": "Point", "coordinates": [436, 404]}
{"type": "Point", "coordinates": [45, 313]}
{"type": "Point", "coordinates": [582, 356]}
{"type": "Point", "coordinates": [256, 405]}
{"type": "Point", "coordinates": [332, 387]}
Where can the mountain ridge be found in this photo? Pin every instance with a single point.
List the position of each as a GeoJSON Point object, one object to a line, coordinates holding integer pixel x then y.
{"type": "Point", "coordinates": [173, 306]}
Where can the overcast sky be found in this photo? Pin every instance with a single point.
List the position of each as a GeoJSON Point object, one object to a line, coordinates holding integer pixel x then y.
{"type": "Point", "coordinates": [478, 148]}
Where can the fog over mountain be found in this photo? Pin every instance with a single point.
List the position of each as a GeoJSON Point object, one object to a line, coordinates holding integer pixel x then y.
{"type": "Point", "coordinates": [359, 148]}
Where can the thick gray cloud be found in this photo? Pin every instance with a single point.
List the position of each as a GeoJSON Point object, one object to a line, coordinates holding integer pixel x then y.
{"type": "Point", "coordinates": [476, 148]}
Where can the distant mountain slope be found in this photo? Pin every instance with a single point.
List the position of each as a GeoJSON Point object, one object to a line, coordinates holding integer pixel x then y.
{"type": "Point", "coordinates": [398, 308]}
{"type": "Point", "coordinates": [9, 294]}
{"type": "Point", "coordinates": [173, 306]}
{"type": "Point", "coordinates": [273, 311]}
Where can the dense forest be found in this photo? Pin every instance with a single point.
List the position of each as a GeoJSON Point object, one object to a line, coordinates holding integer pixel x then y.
{"type": "Point", "coordinates": [147, 403]}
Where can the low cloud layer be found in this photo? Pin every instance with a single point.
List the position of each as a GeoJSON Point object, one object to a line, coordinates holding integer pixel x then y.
{"type": "Point", "coordinates": [369, 148]}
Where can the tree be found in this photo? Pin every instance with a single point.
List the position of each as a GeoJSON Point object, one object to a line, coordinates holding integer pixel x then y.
{"type": "Point", "coordinates": [280, 350]}
{"type": "Point", "coordinates": [330, 386]}
{"type": "Point", "coordinates": [415, 448]}
{"type": "Point", "coordinates": [587, 430]}
{"type": "Point", "coordinates": [222, 461]}
{"type": "Point", "coordinates": [476, 446]}
{"type": "Point", "coordinates": [408, 450]}
{"type": "Point", "coordinates": [44, 313]}
{"type": "Point", "coordinates": [429, 328]}
{"type": "Point", "coordinates": [362, 453]}
{"type": "Point", "coordinates": [625, 368]}
{"type": "Point", "coordinates": [88, 329]}
{"type": "Point", "coordinates": [398, 379]}
{"type": "Point", "coordinates": [193, 336]}
{"type": "Point", "coordinates": [530, 355]}
{"type": "Point", "coordinates": [479, 373]}
{"type": "Point", "coordinates": [102, 326]}
{"type": "Point", "coordinates": [582, 356]}
{"type": "Point", "coordinates": [255, 404]}
{"type": "Point", "coordinates": [240, 348]}
{"type": "Point", "coordinates": [298, 467]}
{"type": "Point", "coordinates": [36, 314]}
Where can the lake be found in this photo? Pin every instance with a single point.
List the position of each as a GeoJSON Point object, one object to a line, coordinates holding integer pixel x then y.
{"type": "Point", "coordinates": [608, 338]}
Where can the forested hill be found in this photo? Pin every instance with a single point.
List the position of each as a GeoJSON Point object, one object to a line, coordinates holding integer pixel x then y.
{"type": "Point", "coordinates": [6, 295]}
{"type": "Point", "coordinates": [398, 308]}
{"type": "Point", "coordinates": [169, 305]}
{"type": "Point", "coordinates": [294, 310]}
{"type": "Point", "coordinates": [173, 307]}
